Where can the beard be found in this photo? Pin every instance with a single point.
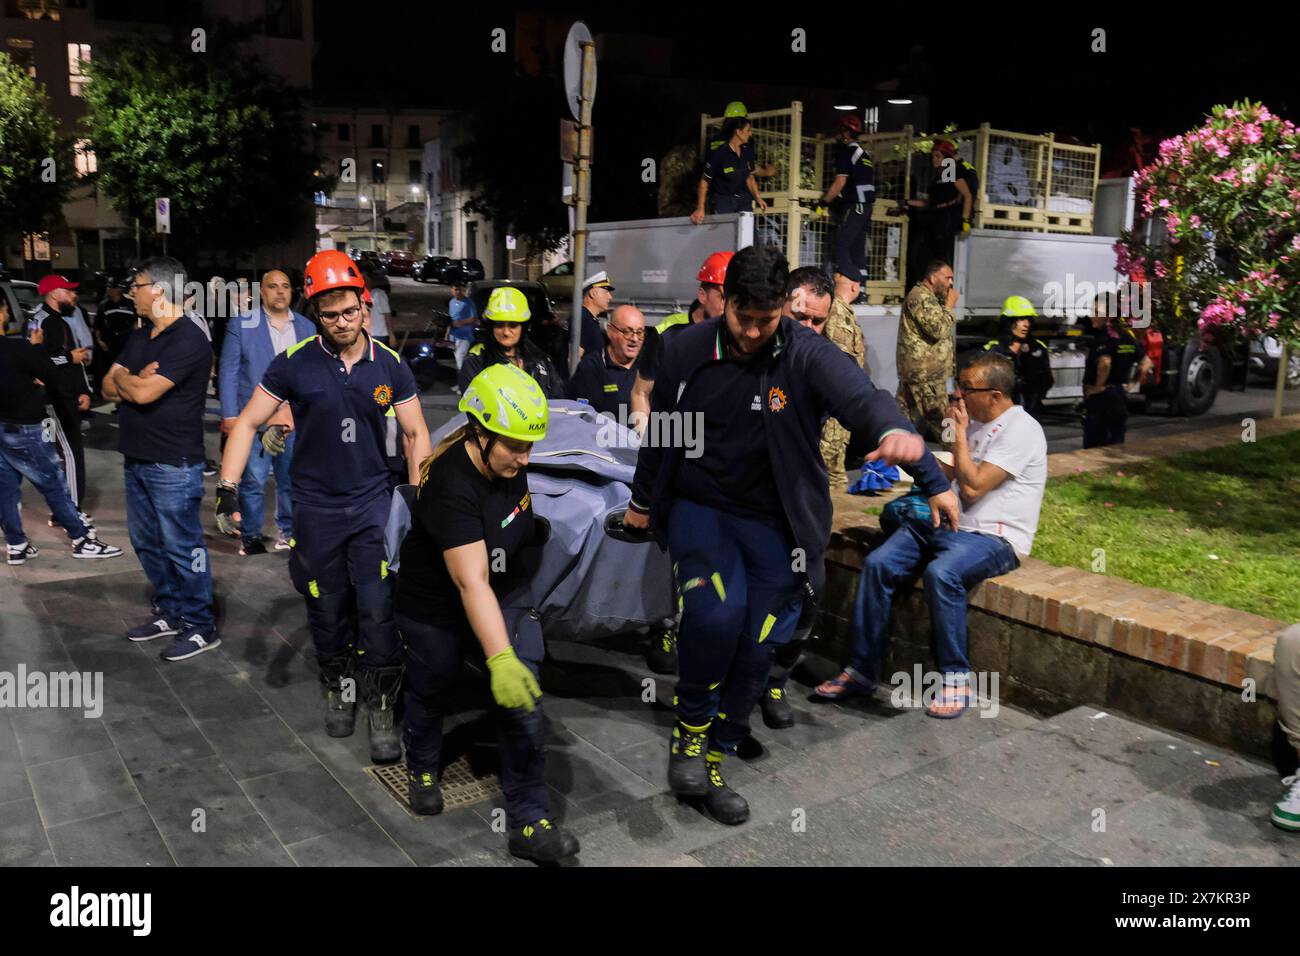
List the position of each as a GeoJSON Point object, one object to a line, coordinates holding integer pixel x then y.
{"type": "Point", "coordinates": [337, 344]}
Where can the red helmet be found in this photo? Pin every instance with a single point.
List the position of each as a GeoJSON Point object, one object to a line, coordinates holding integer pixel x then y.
{"type": "Point", "coordinates": [331, 269]}
{"type": "Point", "coordinates": [365, 297]}
{"type": "Point", "coordinates": [946, 146]}
{"type": "Point", "coordinates": [714, 269]}
{"type": "Point", "coordinates": [849, 121]}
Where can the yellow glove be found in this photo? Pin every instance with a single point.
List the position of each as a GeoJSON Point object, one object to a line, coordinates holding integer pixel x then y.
{"type": "Point", "coordinates": [273, 440]}
{"type": "Point", "coordinates": [965, 228]}
{"type": "Point", "coordinates": [513, 684]}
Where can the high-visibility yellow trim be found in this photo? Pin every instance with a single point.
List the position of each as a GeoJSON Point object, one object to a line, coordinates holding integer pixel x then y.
{"type": "Point", "coordinates": [314, 588]}
{"type": "Point", "coordinates": [768, 622]}
{"type": "Point", "coordinates": [717, 586]}
{"type": "Point", "coordinates": [391, 352]}
{"type": "Point", "coordinates": [677, 318]}
{"type": "Point", "coordinates": [715, 686]}
{"type": "Point", "coordinates": [292, 542]}
{"type": "Point", "coordinates": [297, 345]}
{"type": "Point", "coordinates": [383, 570]}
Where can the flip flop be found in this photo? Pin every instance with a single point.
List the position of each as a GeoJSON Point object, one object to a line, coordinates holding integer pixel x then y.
{"type": "Point", "coordinates": [950, 697]}
{"type": "Point", "coordinates": [842, 688]}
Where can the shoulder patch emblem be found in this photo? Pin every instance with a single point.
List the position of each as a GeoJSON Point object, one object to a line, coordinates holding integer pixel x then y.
{"type": "Point", "coordinates": [383, 394]}
{"type": "Point", "coordinates": [776, 399]}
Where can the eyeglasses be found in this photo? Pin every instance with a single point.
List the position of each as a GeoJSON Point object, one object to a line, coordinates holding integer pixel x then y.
{"type": "Point", "coordinates": [349, 313]}
{"type": "Point", "coordinates": [628, 333]}
{"type": "Point", "coordinates": [964, 388]}
{"type": "Point", "coordinates": [139, 285]}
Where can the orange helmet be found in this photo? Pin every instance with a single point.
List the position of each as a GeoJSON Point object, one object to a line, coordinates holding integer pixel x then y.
{"type": "Point", "coordinates": [714, 269]}
{"type": "Point", "coordinates": [365, 297]}
{"type": "Point", "coordinates": [331, 269]}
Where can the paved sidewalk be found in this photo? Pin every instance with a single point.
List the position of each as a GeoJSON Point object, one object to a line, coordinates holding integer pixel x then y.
{"type": "Point", "coordinates": [237, 734]}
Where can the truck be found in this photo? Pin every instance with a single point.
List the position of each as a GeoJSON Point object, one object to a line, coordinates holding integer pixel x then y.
{"type": "Point", "coordinates": [1045, 228]}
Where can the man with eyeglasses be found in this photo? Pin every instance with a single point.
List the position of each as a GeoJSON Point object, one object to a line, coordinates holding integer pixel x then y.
{"type": "Point", "coordinates": [999, 471]}
{"type": "Point", "coordinates": [340, 386]}
{"type": "Point", "coordinates": [604, 378]}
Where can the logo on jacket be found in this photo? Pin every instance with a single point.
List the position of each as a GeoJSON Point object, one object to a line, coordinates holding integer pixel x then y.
{"type": "Point", "coordinates": [383, 394]}
{"type": "Point", "coordinates": [776, 399]}
{"type": "Point", "coordinates": [519, 509]}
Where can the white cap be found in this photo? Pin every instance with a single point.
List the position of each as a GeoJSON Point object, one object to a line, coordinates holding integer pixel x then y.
{"type": "Point", "coordinates": [600, 278]}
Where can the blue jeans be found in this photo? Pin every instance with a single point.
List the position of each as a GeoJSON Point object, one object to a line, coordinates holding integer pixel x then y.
{"type": "Point", "coordinates": [27, 452]}
{"type": "Point", "coordinates": [740, 599]}
{"type": "Point", "coordinates": [252, 490]}
{"type": "Point", "coordinates": [162, 517]}
{"type": "Point", "coordinates": [953, 562]}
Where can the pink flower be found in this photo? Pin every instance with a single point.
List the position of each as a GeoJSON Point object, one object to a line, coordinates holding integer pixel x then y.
{"type": "Point", "coordinates": [1164, 204]}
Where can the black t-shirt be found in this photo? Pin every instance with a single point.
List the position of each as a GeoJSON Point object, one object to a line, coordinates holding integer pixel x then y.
{"type": "Point", "coordinates": [735, 472]}
{"type": "Point", "coordinates": [727, 173]}
{"type": "Point", "coordinates": [1121, 345]}
{"type": "Point", "coordinates": [169, 430]}
{"type": "Point", "coordinates": [457, 505]}
{"type": "Point", "coordinates": [591, 336]}
{"type": "Point", "coordinates": [115, 321]}
{"type": "Point", "coordinates": [944, 193]}
{"type": "Point", "coordinates": [602, 383]}
{"type": "Point", "coordinates": [853, 161]}
{"type": "Point", "coordinates": [22, 401]}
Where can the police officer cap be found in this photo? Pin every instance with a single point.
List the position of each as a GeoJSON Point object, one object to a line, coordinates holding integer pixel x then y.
{"type": "Point", "coordinates": [599, 279]}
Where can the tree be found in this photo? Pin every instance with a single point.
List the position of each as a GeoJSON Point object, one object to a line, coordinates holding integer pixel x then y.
{"type": "Point", "coordinates": [1229, 194]}
{"type": "Point", "coordinates": [216, 131]}
{"type": "Point", "coordinates": [36, 163]}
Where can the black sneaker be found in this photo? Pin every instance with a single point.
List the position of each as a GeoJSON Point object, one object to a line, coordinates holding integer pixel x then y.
{"type": "Point", "coordinates": [423, 793]}
{"type": "Point", "coordinates": [190, 643]}
{"type": "Point", "coordinates": [159, 627]}
{"type": "Point", "coordinates": [91, 547]}
{"type": "Point", "coordinates": [687, 775]}
{"type": "Point", "coordinates": [542, 843]}
{"type": "Point", "coordinates": [777, 712]}
{"type": "Point", "coordinates": [662, 655]}
{"type": "Point", "coordinates": [209, 468]}
{"type": "Point", "coordinates": [19, 553]}
{"type": "Point", "coordinates": [723, 803]}
{"type": "Point", "coordinates": [251, 547]}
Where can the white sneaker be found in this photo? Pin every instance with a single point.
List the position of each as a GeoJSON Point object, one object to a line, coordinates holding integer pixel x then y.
{"type": "Point", "coordinates": [1286, 812]}
{"type": "Point", "coordinates": [91, 547]}
{"type": "Point", "coordinates": [19, 553]}
{"type": "Point", "coordinates": [282, 541]}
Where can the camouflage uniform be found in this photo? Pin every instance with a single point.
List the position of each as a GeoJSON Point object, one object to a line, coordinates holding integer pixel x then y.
{"type": "Point", "coordinates": [679, 177]}
{"type": "Point", "coordinates": [925, 358]}
{"type": "Point", "coordinates": [842, 329]}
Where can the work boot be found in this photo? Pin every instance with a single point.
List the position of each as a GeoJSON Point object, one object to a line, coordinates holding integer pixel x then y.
{"type": "Point", "coordinates": [723, 803]}
{"type": "Point", "coordinates": [340, 693]}
{"type": "Point", "coordinates": [381, 686]}
{"type": "Point", "coordinates": [662, 655]}
{"type": "Point", "coordinates": [687, 775]}
{"type": "Point", "coordinates": [423, 793]}
{"type": "Point", "coordinates": [777, 712]}
{"type": "Point", "coordinates": [542, 843]}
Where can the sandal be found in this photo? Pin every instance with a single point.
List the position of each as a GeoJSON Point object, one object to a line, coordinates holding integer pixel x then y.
{"type": "Point", "coordinates": [843, 687]}
{"type": "Point", "coordinates": [951, 703]}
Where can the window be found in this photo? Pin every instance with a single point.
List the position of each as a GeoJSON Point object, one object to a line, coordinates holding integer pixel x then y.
{"type": "Point", "coordinates": [85, 158]}
{"type": "Point", "coordinates": [413, 170]}
{"type": "Point", "coordinates": [376, 171]}
{"type": "Point", "coordinates": [377, 135]}
{"type": "Point", "coordinates": [23, 55]}
{"type": "Point", "coordinates": [78, 58]}
{"type": "Point", "coordinates": [413, 137]}
{"type": "Point", "coordinates": [37, 9]}
{"type": "Point", "coordinates": [345, 132]}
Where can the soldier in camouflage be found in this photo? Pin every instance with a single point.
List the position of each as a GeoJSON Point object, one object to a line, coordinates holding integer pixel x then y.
{"type": "Point", "coordinates": [842, 329]}
{"type": "Point", "coordinates": [926, 349]}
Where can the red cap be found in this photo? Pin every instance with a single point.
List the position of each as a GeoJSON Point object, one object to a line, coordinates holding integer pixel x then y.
{"type": "Point", "coordinates": [715, 268]}
{"type": "Point", "coordinates": [51, 283]}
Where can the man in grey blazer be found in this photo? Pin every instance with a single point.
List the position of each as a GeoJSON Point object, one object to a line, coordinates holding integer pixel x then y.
{"type": "Point", "coordinates": [252, 341]}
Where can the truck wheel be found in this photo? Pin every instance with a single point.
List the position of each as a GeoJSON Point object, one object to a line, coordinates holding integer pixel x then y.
{"type": "Point", "coordinates": [1200, 371]}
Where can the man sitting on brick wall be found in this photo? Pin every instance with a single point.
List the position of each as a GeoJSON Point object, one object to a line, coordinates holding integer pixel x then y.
{"type": "Point", "coordinates": [999, 470]}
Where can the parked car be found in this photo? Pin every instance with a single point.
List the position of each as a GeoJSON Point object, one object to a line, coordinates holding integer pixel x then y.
{"type": "Point", "coordinates": [398, 262]}
{"type": "Point", "coordinates": [367, 258]}
{"type": "Point", "coordinates": [559, 282]}
{"type": "Point", "coordinates": [429, 269]}
{"type": "Point", "coordinates": [1265, 353]}
{"type": "Point", "coordinates": [463, 270]}
{"type": "Point", "coordinates": [23, 301]}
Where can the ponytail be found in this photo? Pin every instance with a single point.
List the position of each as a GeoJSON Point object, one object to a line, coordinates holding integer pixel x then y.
{"type": "Point", "coordinates": [448, 441]}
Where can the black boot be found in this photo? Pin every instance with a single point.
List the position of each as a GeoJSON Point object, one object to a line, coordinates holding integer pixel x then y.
{"type": "Point", "coordinates": [423, 793]}
{"type": "Point", "coordinates": [542, 842]}
{"type": "Point", "coordinates": [662, 655]}
{"type": "Point", "coordinates": [777, 712]}
{"type": "Point", "coordinates": [687, 775]}
{"type": "Point", "coordinates": [381, 685]}
{"type": "Point", "coordinates": [723, 803]}
{"type": "Point", "coordinates": [340, 693]}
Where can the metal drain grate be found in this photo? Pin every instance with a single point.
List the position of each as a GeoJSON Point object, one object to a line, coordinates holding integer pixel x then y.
{"type": "Point", "coordinates": [460, 788]}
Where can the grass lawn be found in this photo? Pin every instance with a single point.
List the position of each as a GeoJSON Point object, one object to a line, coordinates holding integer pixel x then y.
{"type": "Point", "coordinates": [1221, 525]}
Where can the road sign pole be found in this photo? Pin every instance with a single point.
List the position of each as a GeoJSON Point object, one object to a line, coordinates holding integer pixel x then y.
{"type": "Point", "coordinates": [581, 191]}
